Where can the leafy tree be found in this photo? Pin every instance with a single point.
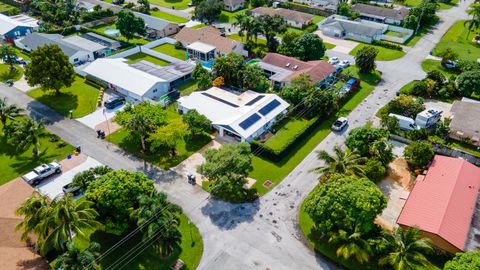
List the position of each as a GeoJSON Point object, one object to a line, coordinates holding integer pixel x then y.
{"type": "Point", "coordinates": [374, 170]}
{"type": "Point", "coordinates": [228, 159]}
{"type": "Point", "coordinates": [85, 178]}
{"type": "Point", "coordinates": [26, 134]}
{"type": "Point", "coordinates": [464, 261]}
{"type": "Point", "coordinates": [425, 12]}
{"type": "Point", "coordinates": [320, 102]}
{"type": "Point", "coordinates": [231, 188]}
{"type": "Point", "coordinates": [361, 138]}
{"type": "Point", "coordinates": [474, 23]}
{"type": "Point", "coordinates": [289, 40]}
{"type": "Point", "coordinates": [419, 154]}
{"type": "Point", "coordinates": [405, 105]}
{"type": "Point", "coordinates": [209, 10]}
{"type": "Point", "coordinates": [33, 211]}
{"type": "Point", "coordinates": [365, 59]}
{"type": "Point", "coordinates": [469, 83]}
{"type": "Point", "coordinates": [154, 113]}
{"type": "Point", "coordinates": [163, 229]}
{"type": "Point", "coordinates": [419, 89]}
{"type": "Point", "coordinates": [202, 77]}
{"type": "Point", "coordinates": [76, 259]}
{"type": "Point", "coordinates": [49, 68]}
{"type": "Point", "coordinates": [351, 245]}
{"type": "Point", "coordinates": [391, 124]}
{"type": "Point", "coordinates": [467, 65]}
{"type": "Point", "coordinates": [270, 27]}
{"type": "Point", "coordinates": [229, 67]}
{"type": "Point", "coordinates": [9, 55]}
{"type": "Point", "coordinates": [410, 22]}
{"type": "Point", "coordinates": [8, 112]}
{"type": "Point", "coordinates": [258, 3]}
{"type": "Point", "coordinates": [309, 47]}
{"type": "Point", "coordinates": [437, 77]}
{"type": "Point", "coordinates": [349, 204]}
{"type": "Point", "coordinates": [293, 95]}
{"type": "Point", "coordinates": [115, 194]}
{"type": "Point", "coordinates": [144, 6]}
{"type": "Point", "coordinates": [60, 12]}
{"type": "Point", "coordinates": [382, 150]}
{"type": "Point", "coordinates": [168, 136]}
{"type": "Point", "coordinates": [218, 82]}
{"type": "Point", "coordinates": [253, 77]}
{"type": "Point", "coordinates": [342, 162]}
{"type": "Point", "coordinates": [197, 123]}
{"type": "Point", "coordinates": [407, 250]}
{"type": "Point", "coordinates": [246, 24]}
{"type": "Point", "coordinates": [442, 129]}
{"type": "Point", "coordinates": [448, 55]}
{"type": "Point", "coordinates": [140, 126]}
{"type": "Point", "coordinates": [129, 25]}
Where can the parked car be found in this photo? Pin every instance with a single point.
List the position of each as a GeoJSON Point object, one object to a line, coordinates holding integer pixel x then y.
{"type": "Point", "coordinates": [41, 172]}
{"type": "Point", "coordinates": [428, 118]}
{"type": "Point", "coordinates": [69, 188]}
{"type": "Point", "coordinates": [450, 64]}
{"type": "Point", "coordinates": [344, 63]}
{"type": "Point", "coordinates": [405, 123]}
{"type": "Point", "coordinates": [340, 124]}
{"type": "Point", "coordinates": [351, 85]}
{"type": "Point", "coordinates": [118, 2]}
{"type": "Point", "coordinates": [114, 102]}
{"type": "Point", "coordinates": [334, 60]}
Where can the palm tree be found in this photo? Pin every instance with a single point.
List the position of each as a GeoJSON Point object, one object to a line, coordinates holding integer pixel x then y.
{"type": "Point", "coordinates": [8, 55]}
{"type": "Point", "coordinates": [76, 259]}
{"type": "Point", "coordinates": [351, 245]}
{"type": "Point", "coordinates": [69, 218]}
{"type": "Point", "coordinates": [474, 23]}
{"type": "Point", "coordinates": [244, 22]}
{"type": "Point", "coordinates": [28, 133]}
{"type": "Point", "coordinates": [8, 112]}
{"type": "Point", "coordinates": [164, 229]}
{"type": "Point", "coordinates": [407, 250]}
{"type": "Point", "coordinates": [139, 125]}
{"type": "Point", "coordinates": [34, 210]}
{"type": "Point", "coordinates": [343, 162]}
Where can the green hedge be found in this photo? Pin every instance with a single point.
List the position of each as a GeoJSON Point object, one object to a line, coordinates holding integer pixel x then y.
{"type": "Point", "coordinates": [387, 45]}
{"type": "Point", "coordinates": [311, 28]}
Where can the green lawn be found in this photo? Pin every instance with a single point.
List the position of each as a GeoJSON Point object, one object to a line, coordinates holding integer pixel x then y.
{"type": "Point", "coordinates": [190, 251]}
{"type": "Point", "coordinates": [406, 88]}
{"type": "Point", "coordinates": [384, 54]}
{"type": "Point", "coordinates": [137, 57]}
{"type": "Point", "coordinates": [199, 26]}
{"type": "Point", "coordinates": [170, 49]}
{"type": "Point", "coordinates": [288, 128]}
{"type": "Point", "coordinates": [185, 148]}
{"type": "Point", "coordinates": [175, 4]}
{"type": "Point", "coordinates": [7, 74]}
{"type": "Point", "coordinates": [80, 97]}
{"type": "Point", "coordinates": [414, 3]}
{"type": "Point", "coordinates": [465, 147]}
{"type": "Point", "coordinates": [317, 18]}
{"type": "Point", "coordinates": [260, 41]}
{"type": "Point", "coordinates": [101, 30]}
{"type": "Point", "coordinates": [329, 46]}
{"type": "Point", "coordinates": [168, 16]}
{"type": "Point", "coordinates": [229, 17]}
{"type": "Point", "coordinates": [430, 65]}
{"type": "Point", "coordinates": [14, 163]}
{"type": "Point", "coordinates": [456, 39]}
{"type": "Point", "coordinates": [187, 88]}
{"type": "Point", "coordinates": [416, 37]}
{"type": "Point", "coordinates": [264, 169]}
{"type": "Point", "coordinates": [5, 7]}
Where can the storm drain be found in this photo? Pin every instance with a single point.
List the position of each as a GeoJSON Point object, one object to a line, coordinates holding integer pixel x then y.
{"type": "Point", "coordinates": [267, 184]}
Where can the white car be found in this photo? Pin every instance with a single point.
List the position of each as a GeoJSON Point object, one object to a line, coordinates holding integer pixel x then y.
{"type": "Point", "coordinates": [41, 172]}
{"type": "Point", "coordinates": [344, 63]}
{"type": "Point", "coordinates": [340, 124]}
{"type": "Point", "coordinates": [334, 60]}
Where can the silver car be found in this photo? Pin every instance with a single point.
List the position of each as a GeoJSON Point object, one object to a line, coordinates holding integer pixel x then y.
{"type": "Point", "coordinates": [340, 124]}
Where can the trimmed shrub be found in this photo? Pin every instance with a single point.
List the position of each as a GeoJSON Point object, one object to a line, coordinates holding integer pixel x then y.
{"type": "Point", "coordinates": [374, 170]}
{"type": "Point", "coordinates": [387, 45]}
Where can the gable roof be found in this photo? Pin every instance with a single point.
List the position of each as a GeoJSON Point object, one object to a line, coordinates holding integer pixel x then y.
{"type": "Point", "coordinates": [233, 2]}
{"type": "Point", "coordinates": [465, 119]}
{"type": "Point", "coordinates": [397, 14]}
{"type": "Point", "coordinates": [35, 40]}
{"type": "Point", "coordinates": [354, 27]}
{"type": "Point", "coordinates": [153, 22]}
{"type": "Point", "coordinates": [84, 43]}
{"type": "Point", "coordinates": [317, 70]}
{"type": "Point", "coordinates": [7, 24]}
{"type": "Point", "coordinates": [207, 35]}
{"type": "Point", "coordinates": [287, 14]}
{"type": "Point", "coordinates": [442, 202]}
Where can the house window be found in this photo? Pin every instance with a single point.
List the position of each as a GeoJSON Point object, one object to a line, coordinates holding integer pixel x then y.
{"type": "Point", "coordinates": [75, 60]}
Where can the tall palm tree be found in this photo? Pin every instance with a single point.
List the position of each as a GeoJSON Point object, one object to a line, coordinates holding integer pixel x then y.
{"type": "Point", "coordinates": [141, 126]}
{"type": "Point", "coordinates": [351, 245]}
{"type": "Point", "coordinates": [164, 229]}
{"type": "Point", "coordinates": [407, 250]}
{"type": "Point", "coordinates": [474, 23]}
{"type": "Point", "coordinates": [344, 162]}
{"type": "Point", "coordinates": [8, 112]}
{"type": "Point", "coordinates": [69, 218]}
{"type": "Point", "coordinates": [27, 134]}
{"type": "Point", "coordinates": [76, 259]}
{"type": "Point", "coordinates": [245, 23]}
{"type": "Point", "coordinates": [34, 210]}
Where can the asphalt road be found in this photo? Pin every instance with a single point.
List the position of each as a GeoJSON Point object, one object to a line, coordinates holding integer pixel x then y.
{"type": "Point", "coordinates": [264, 234]}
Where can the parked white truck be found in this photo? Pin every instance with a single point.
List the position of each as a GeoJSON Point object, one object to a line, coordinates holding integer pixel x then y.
{"type": "Point", "coordinates": [428, 118]}
{"type": "Point", "coordinates": [41, 172]}
{"type": "Point", "coordinates": [405, 123]}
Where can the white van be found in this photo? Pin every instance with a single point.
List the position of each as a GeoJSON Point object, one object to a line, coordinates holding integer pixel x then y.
{"type": "Point", "coordinates": [428, 118]}
{"type": "Point", "coordinates": [405, 123]}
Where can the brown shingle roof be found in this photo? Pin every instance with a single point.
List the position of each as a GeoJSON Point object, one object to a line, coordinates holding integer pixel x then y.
{"type": "Point", "coordinates": [287, 14]}
{"type": "Point", "coordinates": [208, 35]}
{"type": "Point", "coordinates": [465, 118]}
{"type": "Point", "coordinates": [233, 2]}
{"type": "Point", "coordinates": [398, 14]}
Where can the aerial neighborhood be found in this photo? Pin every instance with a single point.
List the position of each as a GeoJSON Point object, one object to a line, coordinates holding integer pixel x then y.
{"type": "Point", "coordinates": [240, 134]}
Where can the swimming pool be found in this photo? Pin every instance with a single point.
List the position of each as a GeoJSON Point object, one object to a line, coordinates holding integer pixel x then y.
{"type": "Point", "coordinates": [112, 32]}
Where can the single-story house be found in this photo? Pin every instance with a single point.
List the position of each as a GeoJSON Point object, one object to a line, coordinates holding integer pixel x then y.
{"type": "Point", "coordinates": [443, 202]}
{"type": "Point", "coordinates": [281, 69]}
{"type": "Point", "coordinates": [465, 123]}
{"type": "Point", "coordinates": [142, 80]}
{"type": "Point", "coordinates": [341, 27]}
{"type": "Point", "coordinates": [292, 18]}
{"type": "Point", "coordinates": [328, 5]}
{"type": "Point", "coordinates": [207, 43]}
{"type": "Point", "coordinates": [87, 6]}
{"type": "Point", "coordinates": [232, 5]}
{"type": "Point", "coordinates": [156, 27]}
{"type": "Point", "coordinates": [107, 42]}
{"type": "Point", "coordinates": [16, 26]}
{"type": "Point", "coordinates": [243, 116]}
{"type": "Point", "coordinates": [381, 14]}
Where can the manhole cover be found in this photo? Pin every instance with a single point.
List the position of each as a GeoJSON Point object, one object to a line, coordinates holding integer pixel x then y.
{"type": "Point", "coordinates": [267, 184]}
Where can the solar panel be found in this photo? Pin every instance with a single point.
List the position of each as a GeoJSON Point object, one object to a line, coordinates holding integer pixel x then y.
{"type": "Point", "coordinates": [220, 100]}
{"type": "Point", "coordinates": [253, 101]}
{"type": "Point", "coordinates": [269, 107]}
{"type": "Point", "coordinates": [252, 119]}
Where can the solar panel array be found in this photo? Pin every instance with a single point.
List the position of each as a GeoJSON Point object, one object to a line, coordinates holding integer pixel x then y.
{"type": "Point", "coordinates": [253, 101]}
{"type": "Point", "coordinates": [269, 107]}
{"type": "Point", "coordinates": [252, 119]}
{"type": "Point", "coordinates": [220, 100]}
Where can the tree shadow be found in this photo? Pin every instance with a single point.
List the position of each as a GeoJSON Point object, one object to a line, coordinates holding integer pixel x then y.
{"type": "Point", "coordinates": [226, 216]}
{"type": "Point", "coordinates": [39, 111]}
{"type": "Point", "coordinates": [62, 103]}
{"type": "Point", "coordinates": [25, 163]}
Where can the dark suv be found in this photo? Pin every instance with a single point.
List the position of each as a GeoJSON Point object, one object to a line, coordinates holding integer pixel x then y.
{"type": "Point", "coordinates": [112, 103]}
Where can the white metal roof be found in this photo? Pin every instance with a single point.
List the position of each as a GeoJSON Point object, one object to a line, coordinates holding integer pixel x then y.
{"type": "Point", "coordinates": [84, 43]}
{"type": "Point", "coordinates": [7, 24]}
{"type": "Point", "coordinates": [201, 47]}
{"type": "Point", "coordinates": [117, 72]}
{"type": "Point", "coordinates": [231, 110]}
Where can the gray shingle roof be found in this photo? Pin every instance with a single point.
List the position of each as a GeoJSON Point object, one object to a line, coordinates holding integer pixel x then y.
{"type": "Point", "coordinates": [355, 27]}
{"type": "Point", "coordinates": [397, 14]}
{"type": "Point", "coordinates": [153, 22]}
{"type": "Point", "coordinates": [35, 40]}
{"type": "Point", "coordinates": [465, 118]}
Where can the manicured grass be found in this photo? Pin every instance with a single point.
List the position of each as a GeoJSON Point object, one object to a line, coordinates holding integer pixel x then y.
{"type": "Point", "coordinates": [7, 74]}
{"type": "Point", "coordinates": [168, 16]}
{"type": "Point", "coordinates": [5, 7]}
{"type": "Point", "coordinates": [162, 158]}
{"type": "Point", "coordinates": [260, 41]}
{"type": "Point", "coordinates": [414, 3]}
{"type": "Point", "coordinates": [80, 97]}
{"type": "Point", "coordinates": [14, 163]}
{"type": "Point", "coordinates": [199, 26]}
{"type": "Point", "coordinates": [465, 147]}
{"type": "Point", "coordinates": [229, 17]}
{"type": "Point", "coordinates": [317, 18]}
{"type": "Point", "coordinates": [264, 169]}
{"type": "Point", "coordinates": [170, 49]}
{"type": "Point", "coordinates": [190, 251]}
{"type": "Point", "coordinates": [329, 46]}
{"type": "Point", "coordinates": [187, 88]}
{"type": "Point", "coordinates": [175, 4]}
{"type": "Point", "coordinates": [137, 57]}
{"type": "Point", "coordinates": [430, 65]}
{"type": "Point", "coordinates": [407, 87]}
{"type": "Point", "coordinates": [456, 39]}
{"type": "Point", "coordinates": [384, 54]}
{"type": "Point", "coordinates": [288, 128]}
{"type": "Point", "coordinates": [101, 30]}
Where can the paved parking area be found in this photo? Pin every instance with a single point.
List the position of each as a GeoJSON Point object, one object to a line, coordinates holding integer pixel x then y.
{"type": "Point", "coordinates": [100, 115]}
{"type": "Point", "coordinates": [341, 45]}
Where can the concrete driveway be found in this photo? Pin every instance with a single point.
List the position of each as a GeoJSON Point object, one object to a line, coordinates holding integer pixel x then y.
{"type": "Point", "coordinates": [341, 45]}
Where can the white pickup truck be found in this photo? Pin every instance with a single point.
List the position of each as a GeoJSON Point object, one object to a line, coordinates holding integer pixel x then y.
{"type": "Point", "coordinates": [41, 172]}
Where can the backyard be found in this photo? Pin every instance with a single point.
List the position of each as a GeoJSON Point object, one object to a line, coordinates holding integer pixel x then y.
{"type": "Point", "coordinates": [170, 49]}
{"type": "Point", "coordinates": [5, 8]}
{"type": "Point", "coordinates": [430, 65]}
{"type": "Point", "coordinates": [168, 16]}
{"type": "Point", "coordinates": [384, 54]}
{"type": "Point", "coordinates": [459, 40]}
{"type": "Point", "coordinates": [81, 98]}
{"type": "Point", "coordinates": [264, 169]}
{"type": "Point", "coordinates": [102, 28]}
{"type": "Point", "coordinates": [187, 88]}
{"type": "Point", "coordinates": [137, 57]}
{"type": "Point", "coordinates": [173, 4]}
{"type": "Point", "coordinates": [414, 3]}
{"type": "Point", "coordinates": [7, 74]}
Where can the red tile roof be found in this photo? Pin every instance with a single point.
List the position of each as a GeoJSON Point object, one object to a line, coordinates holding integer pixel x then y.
{"type": "Point", "coordinates": [287, 14]}
{"type": "Point", "coordinates": [443, 201]}
{"type": "Point", "coordinates": [208, 35]}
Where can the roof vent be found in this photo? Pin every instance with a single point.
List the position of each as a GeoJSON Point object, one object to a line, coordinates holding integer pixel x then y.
{"type": "Point", "coordinates": [287, 65]}
{"type": "Point", "coordinates": [295, 67]}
